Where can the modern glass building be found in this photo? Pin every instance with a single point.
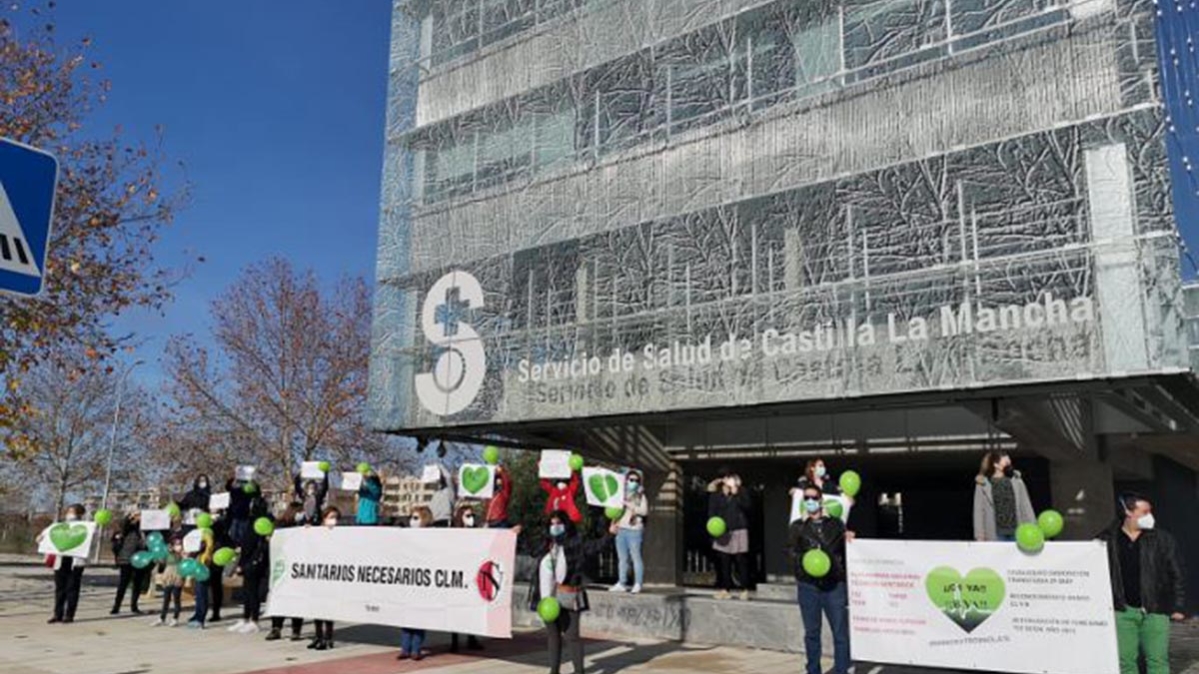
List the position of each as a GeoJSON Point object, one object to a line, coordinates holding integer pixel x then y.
{"type": "Point", "coordinates": [892, 233]}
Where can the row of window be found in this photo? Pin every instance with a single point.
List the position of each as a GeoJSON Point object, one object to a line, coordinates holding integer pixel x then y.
{"type": "Point", "coordinates": [792, 49]}
{"type": "Point", "coordinates": [464, 26]}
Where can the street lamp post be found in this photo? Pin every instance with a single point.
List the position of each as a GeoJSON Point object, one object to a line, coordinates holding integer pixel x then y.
{"type": "Point", "coordinates": [116, 420]}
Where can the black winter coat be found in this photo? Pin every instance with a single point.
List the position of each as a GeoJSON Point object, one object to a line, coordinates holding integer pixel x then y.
{"type": "Point", "coordinates": [828, 534]}
{"type": "Point", "coordinates": [733, 509]}
{"type": "Point", "coordinates": [1163, 579]}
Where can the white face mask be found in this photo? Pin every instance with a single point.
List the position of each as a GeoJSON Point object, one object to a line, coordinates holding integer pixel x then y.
{"type": "Point", "coordinates": [414, 522]}
{"type": "Point", "coordinates": [72, 517]}
{"type": "Point", "coordinates": [819, 471]}
{"type": "Point", "coordinates": [331, 522]}
{"type": "Point", "coordinates": [1146, 522]}
{"type": "Point", "coordinates": [468, 521]}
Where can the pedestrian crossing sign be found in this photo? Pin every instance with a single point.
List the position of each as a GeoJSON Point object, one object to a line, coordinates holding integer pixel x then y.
{"type": "Point", "coordinates": [28, 178]}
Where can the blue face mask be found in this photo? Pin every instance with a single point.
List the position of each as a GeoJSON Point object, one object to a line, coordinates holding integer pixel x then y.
{"type": "Point", "coordinates": [557, 530]}
{"type": "Point", "coordinates": [811, 505]}
{"type": "Point", "coordinates": [634, 487]}
{"type": "Point", "coordinates": [820, 471]}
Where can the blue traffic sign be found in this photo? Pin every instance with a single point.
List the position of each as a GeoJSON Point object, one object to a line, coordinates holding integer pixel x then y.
{"type": "Point", "coordinates": [28, 178]}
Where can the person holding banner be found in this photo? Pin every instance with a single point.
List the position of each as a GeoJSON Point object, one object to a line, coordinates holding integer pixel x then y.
{"type": "Point", "coordinates": [464, 518]}
{"type": "Point", "coordinates": [561, 576]}
{"type": "Point", "coordinates": [323, 640]}
{"type": "Point", "coordinates": [496, 507]}
{"type": "Point", "coordinates": [285, 521]}
{"type": "Point", "coordinates": [1001, 502]}
{"type": "Point", "coordinates": [630, 533]}
{"type": "Point", "coordinates": [411, 640]}
{"type": "Point", "coordinates": [68, 575]}
{"type": "Point", "coordinates": [729, 502]}
{"type": "Point", "coordinates": [821, 593]}
{"type": "Point", "coordinates": [1148, 586]}
{"type": "Point", "coordinates": [128, 540]}
{"type": "Point", "coordinates": [561, 497]}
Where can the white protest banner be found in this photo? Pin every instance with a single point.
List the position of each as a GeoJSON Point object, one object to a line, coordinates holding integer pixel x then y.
{"type": "Point", "coordinates": [350, 481]}
{"type": "Point", "coordinates": [834, 506]}
{"type": "Point", "coordinates": [156, 520]}
{"type": "Point", "coordinates": [311, 470]}
{"type": "Point", "coordinates": [219, 501]}
{"type": "Point", "coordinates": [554, 464]}
{"type": "Point", "coordinates": [448, 580]}
{"type": "Point", "coordinates": [245, 473]}
{"type": "Point", "coordinates": [193, 541]}
{"type": "Point", "coordinates": [605, 488]}
{"type": "Point", "coordinates": [987, 606]}
{"type": "Point", "coordinates": [67, 539]}
{"type": "Point", "coordinates": [476, 480]}
{"type": "Point", "coordinates": [430, 474]}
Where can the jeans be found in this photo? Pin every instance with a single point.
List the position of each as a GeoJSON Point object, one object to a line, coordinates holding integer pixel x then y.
{"type": "Point", "coordinates": [834, 604]}
{"type": "Point", "coordinates": [238, 528]}
{"type": "Point", "coordinates": [411, 641]}
{"type": "Point", "coordinates": [565, 629]}
{"type": "Point", "coordinates": [628, 545]}
{"type": "Point", "coordinates": [201, 611]}
{"type": "Point", "coordinates": [67, 581]}
{"type": "Point", "coordinates": [134, 580]}
{"type": "Point", "coordinates": [1139, 632]}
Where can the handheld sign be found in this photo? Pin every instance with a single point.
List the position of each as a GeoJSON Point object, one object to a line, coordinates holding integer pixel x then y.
{"type": "Point", "coordinates": [554, 465]}
{"type": "Point", "coordinates": [605, 488]}
{"type": "Point", "coordinates": [430, 474]}
{"type": "Point", "coordinates": [476, 480]}
{"type": "Point", "coordinates": [351, 481]}
{"type": "Point", "coordinates": [67, 539]}
{"type": "Point", "coordinates": [311, 470]}
{"type": "Point", "coordinates": [245, 473]}
{"type": "Point", "coordinates": [219, 501]}
{"type": "Point", "coordinates": [156, 520]}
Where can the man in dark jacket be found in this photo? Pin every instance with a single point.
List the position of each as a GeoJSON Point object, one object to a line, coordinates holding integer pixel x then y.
{"type": "Point", "coordinates": [127, 540]}
{"type": "Point", "coordinates": [1148, 586]}
{"type": "Point", "coordinates": [826, 594]}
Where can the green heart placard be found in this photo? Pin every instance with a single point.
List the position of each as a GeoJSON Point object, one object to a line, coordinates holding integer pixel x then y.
{"type": "Point", "coordinates": [67, 536]}
{"type": "Point", "coordinates": [603, 486]}
{"type": "Point", "coordinates": [475, 478]}
{"type": "Point", "coordinates": [967, 601]}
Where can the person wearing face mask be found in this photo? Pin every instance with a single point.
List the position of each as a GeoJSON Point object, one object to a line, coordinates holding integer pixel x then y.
{"type": "Point", "coordinates": [199, 496]}
{"type": "Point", "coordinates": [312, 493]}
{"type": "Point", "coordinates": [411, 640]}
{"type": "Point", "coordinates": [561, 497]}
{"type": "Point", "coordinates": [827, 595]}
{"type": "Point", "coordinates": [1001, 502]}
{"type": "Point", "coordinates": [68, 575]}
{"type": "Point", "coordinates": [172, 583]}
{"type": "Point", "coordinates": [369, 495]}
{"type": "Point", "coordinates": [630, 532]}
{"type": "Point", "coordinates": [323, 640]}
{"type": "Point", "coordinates": [465, 518]}
{"type": "Point", "coordinates": [561, 575]}
{"type": "Point", "coordinates": [285, 521]}
{"type": "Point", "coordinates": [254, 567]}
{"type": "Point", "coordinates": [1148, 585]}
{"type": "Point", "coordinates": [128, 540]}
{"type": "Point", "coordinates": [729, 501]}
{"type": "Point", "coordinates": [496, 507]}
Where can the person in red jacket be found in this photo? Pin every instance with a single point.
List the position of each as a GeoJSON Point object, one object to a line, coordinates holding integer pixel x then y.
{"type": "Point", "coordinates": [496, 509]}
{"type": "Point", "coordinates": [562, 497]}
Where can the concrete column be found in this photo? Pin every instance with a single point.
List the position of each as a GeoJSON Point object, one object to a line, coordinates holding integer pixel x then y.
{"type": "Point", "coordinates": [663, 547]}
{"type": "Point", "coordinates": [1084, 493]}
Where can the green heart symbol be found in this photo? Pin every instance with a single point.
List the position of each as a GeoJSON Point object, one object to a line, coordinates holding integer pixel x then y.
{"type": "Point", "coordinates": [967, 601]}
{"type": "Point", "coordinates": [67, 536]}
{"type": "Point", "coordinates": [603, 486]}
{"type": "Point", "coordinates": [474, 479]}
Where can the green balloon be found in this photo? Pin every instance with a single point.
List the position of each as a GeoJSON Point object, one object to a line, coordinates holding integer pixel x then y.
{"type": "Point", "coordinates": [491, 454]}
{"type": "Point", "coordinates": [548, 609]}
{"type": "Point", "coordinates": [204, 521]}
{"type": "Point", "coordinates": [1051, 523]}
{"type": "Point", "coordinates": [613, 513]}
{"type": "Point", "coordinates": [249, 488]}
{"type": "Point", "coordinates": [324, 466]}
{"type": "Point", "coordinates": [202, 574]}
{"type": "Point", "coordinates": [834, 509]}
{"type": "Point", "coordinates": [187, 567]}
{"type": "Point", "coordinates": [155, 538]}
{"type": "Point", "coordinates": [717, 527]}
{"type": "Point", "coordinates": [576, 462]}
{"type": "Point", "coordinates": [173, 510]}
{"type": "Point", "coordinates": [142, 559]}
{"type": "Point", "coordinates": [1029, 537]}
{"type": "Point", "coordinates": [851, 483]}
{"type": "Point", "coordinates": [817, 563]}
{"type": "Point", "coordinates": [264, 526]}
{"type": "Point", "coordinates": [160, 554]}
{"type": "Point", "coordinates": [364, 468]}
{"type": "Point", "coordinates": [224, 556]}
{"type": "Point", "coordinates": [103, 517]}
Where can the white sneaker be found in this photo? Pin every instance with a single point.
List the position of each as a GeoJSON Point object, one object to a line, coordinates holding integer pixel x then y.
{"type": "Point", "coordinates": [236, 627]}
{"type": "Point", "coordinates": [173, 623]}
{"type": "Point", "coordinates": [636, 589]}
{"type": "Point", "coordinates": [619, 587]}
{"type": "Point", "coordinates": [248, 628]}
{"type": "Point", "coordinates": [157, 622]}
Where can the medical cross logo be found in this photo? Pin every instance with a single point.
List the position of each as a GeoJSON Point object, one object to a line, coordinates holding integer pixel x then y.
{"type": "Point", "coordinates": [459, 363]}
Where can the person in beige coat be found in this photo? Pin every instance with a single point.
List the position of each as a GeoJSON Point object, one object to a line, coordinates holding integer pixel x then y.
{"type": "Point", "coordinates": [1001, 500]}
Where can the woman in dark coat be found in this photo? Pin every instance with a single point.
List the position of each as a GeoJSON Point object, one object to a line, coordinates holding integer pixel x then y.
{"type": "Point", "coordinates": [128, 540]}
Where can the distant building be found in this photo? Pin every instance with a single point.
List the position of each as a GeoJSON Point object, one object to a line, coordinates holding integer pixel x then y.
{"type": "Point", "coordinates": [121, 501]}
{"type": "Point", "coordinates": [403, 493]}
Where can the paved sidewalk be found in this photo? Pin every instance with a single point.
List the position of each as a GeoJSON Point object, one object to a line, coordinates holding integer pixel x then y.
{"type": "Point", "coordinates": [101, 644]}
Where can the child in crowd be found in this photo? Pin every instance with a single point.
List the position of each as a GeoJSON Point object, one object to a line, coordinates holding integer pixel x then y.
{"type": "Point", "coordinates": [411, 640]}
{"type": "Point", "coordinates": [324, 628]}
{"type": "Point", "coordinates": [172, 583]}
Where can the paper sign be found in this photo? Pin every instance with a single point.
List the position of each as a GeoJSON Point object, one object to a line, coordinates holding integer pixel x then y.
{"type": "Point", "coordinates": [189, 517]}
{"type": "Point", "coordinates": [431, 474]}
{"type": "Point", "coordinates": [554, 464]}
{"type": "Point", "coordinates": [245, 473]}
{"type": "Point", "coordinates": [476, 480]}
{"type": "Point", "coordinates": [311, 470]}
{"type": "Point", "coordinates": [605, 488]}
{"type": "Point", "coordinates": [67, 539]}
{"type": "Point", "coordinates": [351, 481]}
{"type": "Point", "coordinates": [834, 506]}
{"type": "Point", "coordinates": [218, 501]}
{"type": "Point", "coordinates": [156, 520]}
{"type": "Point", "coordinates": [193, 541]}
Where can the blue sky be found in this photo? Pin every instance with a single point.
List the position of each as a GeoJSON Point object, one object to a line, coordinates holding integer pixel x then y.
{"type": "Point", "coordinates": [277, 111]}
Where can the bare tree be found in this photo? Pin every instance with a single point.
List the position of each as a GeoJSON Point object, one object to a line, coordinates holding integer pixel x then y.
{"type": "Point", "coordinates": [286, 382]}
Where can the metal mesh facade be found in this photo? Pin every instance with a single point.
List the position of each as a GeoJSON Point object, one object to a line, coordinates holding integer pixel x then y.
{"type": "Point", "coordinates": [614, 207]}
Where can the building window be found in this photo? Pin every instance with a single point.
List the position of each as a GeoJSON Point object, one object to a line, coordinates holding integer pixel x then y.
{"type": "Point", "coordinates": [892, 34]}
{"type": "Point", "coordinates": [455, 29]}
{"type": "Point", "coordinates": [505, 152]}
{"type": "Point", "coordinates": [450, 168]}
{"type": "Point", "coordinates": [502, 18]}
